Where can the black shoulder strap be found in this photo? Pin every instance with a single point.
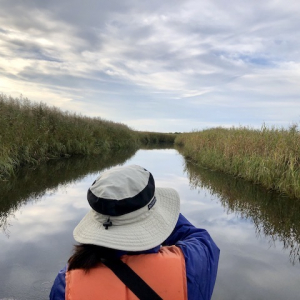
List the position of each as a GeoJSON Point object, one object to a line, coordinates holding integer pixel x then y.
{"type": "Point", "coordinates": [133, 281]}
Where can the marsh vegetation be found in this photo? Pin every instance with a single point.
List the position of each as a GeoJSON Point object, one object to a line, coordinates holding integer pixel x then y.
{"type": "Point", "coordinates": [269, 156]}
{"type": "Point", "coordinates": [34, 132]}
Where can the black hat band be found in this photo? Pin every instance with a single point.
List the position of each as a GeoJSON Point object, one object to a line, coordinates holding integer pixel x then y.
{"type": "Point", "coordinates": [113, 207]}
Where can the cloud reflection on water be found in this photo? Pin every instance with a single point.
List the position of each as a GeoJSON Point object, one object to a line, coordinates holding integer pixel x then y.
{"type": "Point", "coordinates": [41, 238]}
{"type": "Point", "coordinates": [38, 212]}
{"type": "Point", "coordinates": [256, 232]}
{"type": "Point", "coordinates": [251, 266]}
{"type": "Point", "coordinates": [276, 217]}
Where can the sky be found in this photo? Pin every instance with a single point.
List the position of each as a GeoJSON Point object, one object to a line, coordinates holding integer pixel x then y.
{"type": "Point", "coordinates": [167, 66]}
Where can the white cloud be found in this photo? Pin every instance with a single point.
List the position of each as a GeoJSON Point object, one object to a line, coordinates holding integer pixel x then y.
{"type": "Point", "coordinates": [112, 55]}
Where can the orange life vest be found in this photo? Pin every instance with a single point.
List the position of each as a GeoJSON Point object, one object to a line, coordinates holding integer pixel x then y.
{"type": "Point", "coordinates": [164, 272]}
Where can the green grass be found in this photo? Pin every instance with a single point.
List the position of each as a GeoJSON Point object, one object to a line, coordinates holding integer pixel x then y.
{"type": "Point", "coordinates": [270, 157]}
{"type": "Point", "coordinates": [147, 137]}
{"type": "Point", "coordinates": [31, 133]}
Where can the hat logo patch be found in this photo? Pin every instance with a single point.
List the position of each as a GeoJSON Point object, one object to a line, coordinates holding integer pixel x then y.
{"type": "Point", "coordinates": [151, 204]}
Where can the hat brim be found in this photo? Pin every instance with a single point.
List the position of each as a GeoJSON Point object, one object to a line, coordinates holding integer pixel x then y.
{"type": "Point", "coordinates": [143, 234]}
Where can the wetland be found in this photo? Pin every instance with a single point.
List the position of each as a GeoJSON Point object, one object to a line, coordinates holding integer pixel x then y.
{"type": "Point", "coordinates": [257, 230]}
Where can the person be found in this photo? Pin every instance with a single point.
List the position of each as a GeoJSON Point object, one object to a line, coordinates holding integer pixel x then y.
{"type": "Point", "coordinates": [134, 223]}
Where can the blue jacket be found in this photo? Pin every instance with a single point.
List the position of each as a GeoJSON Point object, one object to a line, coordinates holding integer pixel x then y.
{"type": "Point", "coordinates": [201, 258]}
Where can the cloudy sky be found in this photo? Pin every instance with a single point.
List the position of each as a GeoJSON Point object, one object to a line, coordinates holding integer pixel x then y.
{"type": "Point", "coordinates": [156, 65]}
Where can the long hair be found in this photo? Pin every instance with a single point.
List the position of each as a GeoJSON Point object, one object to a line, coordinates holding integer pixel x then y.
{"type": "Point", "coordinates": [87, 256]}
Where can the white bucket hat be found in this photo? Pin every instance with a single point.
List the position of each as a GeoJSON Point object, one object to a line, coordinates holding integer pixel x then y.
{"type": "Point", "coordinates": [128, 212]}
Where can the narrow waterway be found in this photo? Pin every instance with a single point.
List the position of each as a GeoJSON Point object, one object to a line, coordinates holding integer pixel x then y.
{"type": "Point", "coordinates": [258, 232]}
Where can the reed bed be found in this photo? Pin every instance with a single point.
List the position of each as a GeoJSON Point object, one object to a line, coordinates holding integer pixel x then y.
{"type": "Point", "coordinates": [147, 137]}
{"type": "Point", "coordinates": [31, 133]}
{"type": "Point", "coordinates": [269, 156]}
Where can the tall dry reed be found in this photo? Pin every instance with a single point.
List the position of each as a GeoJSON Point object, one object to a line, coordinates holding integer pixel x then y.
{"type": "Point", "coordinates": [31, 133]}
{"type": "Point", "coordinates": [270, 156]}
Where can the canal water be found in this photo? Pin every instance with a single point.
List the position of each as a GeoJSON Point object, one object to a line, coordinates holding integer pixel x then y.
{"type": "Point", "coordinates": [257, 231]}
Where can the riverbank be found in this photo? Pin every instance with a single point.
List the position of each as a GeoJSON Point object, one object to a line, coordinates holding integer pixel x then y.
{"type": "Point", "coordinates": [31, 133]}
{"type": "Point", "coordinates": [270, 157]}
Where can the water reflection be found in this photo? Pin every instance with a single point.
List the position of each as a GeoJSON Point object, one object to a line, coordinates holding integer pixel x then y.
{"type": "Point", "coordinates": [33, 184]}
{"type": "Point", "coordinates": [274, 216]}
{"type": "Point", "coordinates": [162, 146]}
{"type": "Point", "coordinates": [49, 202]}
